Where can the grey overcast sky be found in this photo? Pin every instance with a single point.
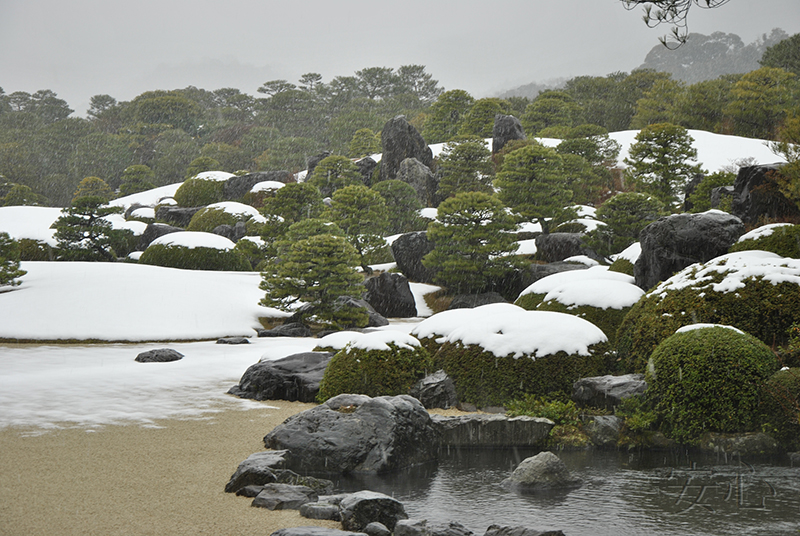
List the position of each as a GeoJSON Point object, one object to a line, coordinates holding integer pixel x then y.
{"type": "Point", "coordinates": [80, 48]}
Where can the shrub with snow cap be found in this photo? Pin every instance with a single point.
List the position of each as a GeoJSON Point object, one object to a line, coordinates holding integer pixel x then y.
{"type": "Point", "coordinates": [375, 364]}
{"type": "Point", "coordinates": [496, 353]}
{"type": "Point", "coordinates": [755, 291]}
{"type": "Point", "coordinates": [709, 379]}
{"type": "Point", "coordinates": [192, 250]}
{"type": "Point", "coordinates": [224, 213]}
{"type": "Point", "coordinates": [202, 189]}
{"type": "Point", "coordinates": [533, 295]}
{"type": "Point", "coordinates": [780, 238]}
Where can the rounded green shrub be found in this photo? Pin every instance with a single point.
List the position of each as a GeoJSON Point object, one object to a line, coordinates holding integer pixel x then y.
{"type": "Point", "coordinates": [375, 372]}
{"type": "Point", "coordinates": [199, 192]}
{"type": "Point", "coordinates": [207, 219]}
{"type": "Point", "coordinates": [198, 258]}
{"type": "Point", "coordinates": [783, 240]}
{"type": "Point", "coordinates": [708, 380]}
{"type": "Point", "coordinates": [35, 250]}
{"type": "Point", "coordinates": [757, 292]}
{"type": "Point", "coordinates": [623, 266]}
{"type": "Point", "coordinates": [781, 407]}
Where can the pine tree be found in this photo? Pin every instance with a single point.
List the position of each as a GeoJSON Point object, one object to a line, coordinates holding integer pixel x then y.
{"type": "Point", "coordinates": [624, 215]}
{"type": "Point", "coordinates": [361, 213]}
{"type": "Point", "coordinates": [334, 172]}
{"type": "Point", "coordinates": [465, 166]}
{"type": "Point", "coordinates": [402, 205]}
{"type": "Point", "coordinates": [473, 241]}
{"type": "Point", "coordinates": [316, 271]}
{"type": "Point", "coordinates": [9, 261]}
{"type": "Point", "coordinates": [84, 235]}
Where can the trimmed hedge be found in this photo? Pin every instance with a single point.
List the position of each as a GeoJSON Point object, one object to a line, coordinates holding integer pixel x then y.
{"type": "Point", "coordinates": [208, 219]}
{"type": "Point", "coordinates": [784, 240]}
{"type": "Point", "coordinates": [374, 372]}
{"type": "Point", "coordinates": [607, 320]}
{"type": "Point", "coordinates": [781, 407]}
{"type": "Point", "coordinates": [708, 380]}
{"type": "Point", "coordinates": [199, 192]}
{"type": "Point", "coordinates": [198, 258]}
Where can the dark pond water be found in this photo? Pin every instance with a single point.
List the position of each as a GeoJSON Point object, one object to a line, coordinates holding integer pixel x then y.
{"type": "Point", "coordinates": [622, 494]}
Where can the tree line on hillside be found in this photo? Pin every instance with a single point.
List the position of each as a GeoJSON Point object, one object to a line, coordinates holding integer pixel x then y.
{"type": "Point", "coordinates": [162, 137]}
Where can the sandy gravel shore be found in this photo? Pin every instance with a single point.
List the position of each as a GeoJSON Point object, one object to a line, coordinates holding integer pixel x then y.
{"type": "Point", "coordinates": [131, 480]}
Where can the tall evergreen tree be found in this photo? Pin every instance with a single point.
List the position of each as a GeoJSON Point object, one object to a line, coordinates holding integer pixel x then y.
{"type": "Point", "coordinates": [83, 233]}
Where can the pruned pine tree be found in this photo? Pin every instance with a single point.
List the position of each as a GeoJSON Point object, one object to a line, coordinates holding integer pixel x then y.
{"type": "Point", "coordinates": [362, 214]}
{"type": "Point", "coordinates": [316, 271]}
{"type": "Point", "coordinates": [9, 262]}
{"type": "Point", "coordinates": [83, 233]}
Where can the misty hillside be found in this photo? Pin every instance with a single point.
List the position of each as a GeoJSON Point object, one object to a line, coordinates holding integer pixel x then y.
{"type": "Point", "coordinates": [706, 57]}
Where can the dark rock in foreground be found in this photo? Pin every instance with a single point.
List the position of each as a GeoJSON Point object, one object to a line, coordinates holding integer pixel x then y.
{"type": "Point", "coordinates": [357, 434]}
{"type": "Point", "coordinates": [161, 355]}
{"type": "Point", "coordinates": [607, 391]}
{"type": "Point", "coordinates": [293, 378]}
{"type": "Point", "coordinates": [497, 530]}
{"type": "Point", "coordinates": [364, 507]}
{"type": "Point", "coordinates": [542, 472]}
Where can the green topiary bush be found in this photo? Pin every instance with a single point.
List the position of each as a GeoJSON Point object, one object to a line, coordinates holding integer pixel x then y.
{"type": "Point", "coordinates": [783, 240]}
{"type": "Point", "coordinates": [781, 407]}
{"type": "Point", "coordinates": [757, 292]}
{"type": "Point", "coordinates": [375, 372]}
{"type": "Point", "coordinates": [198, 258]}
{"type": "Point", "coordinates": [207, 219]}
{"type": "Point", "coordinates": [199, 192]}
{"type": "Point", "coordinates": [623, 266]}
{"type": "Point", "coordinates": [35, 250]}
{"type": "Point", "coordinates": [708, 380]}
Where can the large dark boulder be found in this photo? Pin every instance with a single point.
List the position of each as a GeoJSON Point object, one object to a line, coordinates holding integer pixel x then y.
{"type": "Point", "coordinates": [672, 243]}
{"type": "Point", "coordinates": [390, 295]}
{"type": "Point", "coordinates": [400, 140]}
{"type": "Point", "coordinates": [178, 216]}
{"type": "Point", "coordinates": [293, 378]}
{"type": "Point", "coordinates": [153, 231]}
{"type": "Point", "coordinates": [555, 247]}
{"type": "Point", "coordinates": [235, 188]}
{"type": "Point", "coordinates": [366, 166]}
{"type": "Point", "coordinates": [421, 178]}
{"type": "Point", "coordinates": [542, 472]}
{"type": "Point", "coordinates": [408, 250]}
{"type": "Point", "coordinates": [506, 128]}
{"type": "Point", "coordinates": [758, 198]}
{"type": "Point", "coordinates": [357, 434]}
{"type": "Point", "coordinates": [435, 390]}
{"type": "Point", "coordinates": [359, 509]}
{"type": "Point", "coordinates": [607, 391]}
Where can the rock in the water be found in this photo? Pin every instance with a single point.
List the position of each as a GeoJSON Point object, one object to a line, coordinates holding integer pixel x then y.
{"type": "Point", "coordinates": [314, 531]}
{"type": "Point", "coordinates": [449, 529]}
{"type": "Point", "coordinates": [179, 216]}
{"type": "Point", "coordinates": [153, 231]}
{"type": "Point", "coordinates": [744, 444]}
{"type": "Point", "coordinates": [284, 497]}
{"type": "Point", "coordinates": [672, 243]}
{"type": "Point", "coordinates": [161, 355]}
{"type": "Point", "coordinates": [411, 527]}
{"type": "Point", "coordinates": [289, 329]}
{"type": "Point", "coordinates": [400, 140]}
{"type": "Point", "coordinates": [292, 378]}
{"type": "Point", "coordinates": [421, 178]}
{"type": "Point", "coordinates": [233, 340]}
{"type": "Point", "coordinates": [506, 128]}
{"type": "Point", "coordinates": [377, 529]}
{"type": "Point", "coordinates": [470, 301]}
{"type": "Point", "coordinates": [607, 391]}
{"type": "Point", "coordinates": [364, 507]}
{"type": "Point", "coordinates": [408, 250]}
{"type": "Point", "coordinates": [321, 510]}
{"type": "Point", "coordinates": [367, 435]}
{"type": "Point", "coordinates": [435, 390]}
{"type": "Point", "coordinates": [236, 187]}
{"type": "Point", "coordinates": [542, 472]}
{"type": "Point", "coordinates": [757, 198]}
{"type": "Point", "coordinates": [497, 530]}
{"type": "Point", "coordinates": [257, 470]}
{"type": "Point", "coordinates": [480, 430]}
{"type": "Point", "coordinates": [390, 295]}
{"type": "Point", "coordinates": [604, 430]}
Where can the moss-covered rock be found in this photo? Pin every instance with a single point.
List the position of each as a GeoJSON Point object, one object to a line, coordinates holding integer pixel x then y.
{"type": "Point", "coordinates": [780, 238]}
{"type": "Point", "coordinates": [708, 379]}
{"type": "Point", "coordinates": [377, 364]}
{"type": "Point", "coordinates": [755, 291]}
{"type": "Point", "coordinates": [781, 407]}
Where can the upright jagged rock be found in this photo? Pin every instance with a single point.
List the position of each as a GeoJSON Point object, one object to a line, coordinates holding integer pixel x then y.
{"type": "Point", "coordinates": [757, 196]}
{"type": "Point", "coordinates": [400, 140]}
{"type": "Point", "coordinates": [506, 128]}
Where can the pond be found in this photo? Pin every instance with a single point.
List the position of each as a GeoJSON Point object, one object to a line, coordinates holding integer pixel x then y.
{"type": "Point", "coordinates": [664, 493]}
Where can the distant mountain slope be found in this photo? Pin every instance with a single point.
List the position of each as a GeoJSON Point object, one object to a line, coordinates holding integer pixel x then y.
{"type": "Point", "coordinates": [706, 57]}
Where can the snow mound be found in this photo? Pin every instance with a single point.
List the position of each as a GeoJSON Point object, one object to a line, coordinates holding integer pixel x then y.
{"type": "Point", "coordinates": [32, 223]}
{"type": "Point", "coordinates": [630, 253]}
{"type": "Point", "coordinates": [600, 293]}
{"type": "Point", "coordinates": [219, 176]}
{"type": "Point", "coordinates": [194, 239]}
{"type": "Point", "coordinates": [144, 212]}
{"type": "Point", "coordinates": [442, 324]}
{"type": "Point", "coordinates": [692, 327]}
{"type": "Point", "coordinates": [516, 332]}
{"type": "Point", "coordinates": [267, 186]}
{"type": "Point", "coordinates": [119, 222]}
{"type": "Point", "coordinates": [762, 232]}
{"type": "Point", "coordinates": [552, 282]}
{"type": "Point", "coordinates": [375, 340]}
{"type": "Point", "coordinates": [582, 259]}
{"type": "Point", "coordinates": [147, 198]}
{"type": "Point", "coordinates": [239, 210]}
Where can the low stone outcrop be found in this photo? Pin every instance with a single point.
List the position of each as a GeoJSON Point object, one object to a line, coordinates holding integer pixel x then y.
{"type": "Point", "coordinates": [315, 531]}
{"type": "Point", "coordinates": [506, 128]}
{"type": "Point", "coordinates": [542, 472]}
{"type": "Point", "coordinates": [435, 390]}
{"type": "Point", "coordinates": [234, 233]}
{"type": "Point", "coordinates": [357, 434]}
{"type": "Point", "coordinates": [153, 231]}
{"type": "Point", "coordinates": [178, 216]}
{"type": "Point", "coordinates": [289, 329]}
{"type": "Point", "coordinates": [236, 187]}
{"type": "Point", "coordinates": [359, 509]}
{"type": "Point", "coordinates": [607, 391]}
{"type": "Point", "coordinates": [258, 469]}
{"type": "Point", "coordinates": [497, 530]}
{"type": "Point", "coordinates": [672, 243]}
{"type": "Point", "coordinates": [390, 295]}
{"type": "Point", "coordinates": [480, 430]}
{"type": "Point", "coordinates": [293, 378]}
{"type": "Point", "coordinates": [233, 340]}
{"type": "Point", "coordinates": [408, 250]}
{"type": "Point", "coordinates": [284, 497]}
{"type": "Point", "coordinates": [160, 355]}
